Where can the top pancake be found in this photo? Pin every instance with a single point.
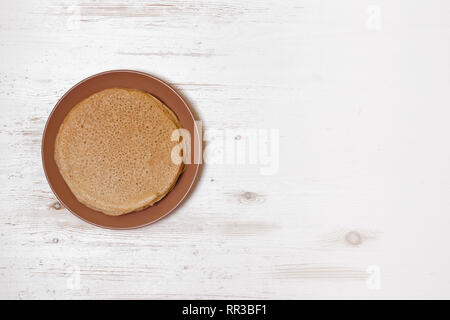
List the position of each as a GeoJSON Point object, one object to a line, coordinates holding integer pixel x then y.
{"type": "Point", "coordinates": [114, 149]}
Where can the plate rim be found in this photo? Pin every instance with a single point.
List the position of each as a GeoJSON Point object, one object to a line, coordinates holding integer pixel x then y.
{"type": "Point", "coordinates": [196, 165]}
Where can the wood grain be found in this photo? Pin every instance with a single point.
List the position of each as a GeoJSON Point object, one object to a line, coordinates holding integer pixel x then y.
{"type": "Point", "coordinates": [358, 92]}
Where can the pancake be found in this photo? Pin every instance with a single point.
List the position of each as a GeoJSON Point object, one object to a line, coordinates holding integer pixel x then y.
{"type": "Point", "coordinates": [114, 148]}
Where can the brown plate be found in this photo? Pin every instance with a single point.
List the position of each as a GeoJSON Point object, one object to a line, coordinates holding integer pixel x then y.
{"type": "Point", "coordinates": [122, 79]}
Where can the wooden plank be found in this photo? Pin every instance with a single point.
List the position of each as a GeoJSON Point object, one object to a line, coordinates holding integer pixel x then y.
{"type": "Point", "coordinates": [358, 93]}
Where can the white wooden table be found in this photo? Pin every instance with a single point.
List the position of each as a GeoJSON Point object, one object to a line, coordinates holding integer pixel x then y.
{"type": "Point", "coordinates": [358, 91]}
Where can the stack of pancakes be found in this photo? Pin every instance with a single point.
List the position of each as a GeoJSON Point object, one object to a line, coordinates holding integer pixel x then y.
{"type": "Point", "coordinates": [114, 150]}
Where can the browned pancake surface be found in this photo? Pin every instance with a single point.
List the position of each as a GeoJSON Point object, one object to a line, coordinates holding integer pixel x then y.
{"type": "Point", "coordinates": [114, 150]}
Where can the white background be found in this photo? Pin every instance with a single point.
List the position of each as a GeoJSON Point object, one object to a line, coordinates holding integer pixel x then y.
{"type": "Point", "coordinates": [359, 91]}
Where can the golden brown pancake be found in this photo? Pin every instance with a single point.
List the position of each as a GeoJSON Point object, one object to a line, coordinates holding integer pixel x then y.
{"type": "Point", "coordinates": [114, 148]}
